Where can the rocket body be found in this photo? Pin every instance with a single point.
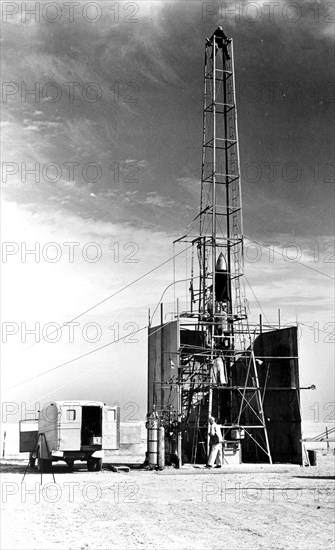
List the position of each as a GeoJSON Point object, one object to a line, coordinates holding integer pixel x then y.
{"type": "Point", "coordinates": [221, 280]}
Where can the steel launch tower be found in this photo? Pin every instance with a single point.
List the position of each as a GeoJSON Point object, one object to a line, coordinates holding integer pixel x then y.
{"type": "Point", "coordinates": [204, 363]}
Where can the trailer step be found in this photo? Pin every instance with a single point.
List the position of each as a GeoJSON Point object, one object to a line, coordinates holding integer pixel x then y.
{"type": "Point", "coordinates": [119, 469]}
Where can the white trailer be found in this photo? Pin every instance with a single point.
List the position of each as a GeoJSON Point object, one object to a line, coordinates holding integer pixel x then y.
{"type": "Point", "coordinates": [72, 430]}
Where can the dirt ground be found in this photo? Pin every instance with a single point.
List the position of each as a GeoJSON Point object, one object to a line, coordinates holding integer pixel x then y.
{"type": "Point", "coordinates": [246, 507]}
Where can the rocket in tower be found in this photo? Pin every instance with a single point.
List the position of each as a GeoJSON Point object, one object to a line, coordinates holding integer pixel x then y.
{"type": "Point", "coordinates": [221, 280]}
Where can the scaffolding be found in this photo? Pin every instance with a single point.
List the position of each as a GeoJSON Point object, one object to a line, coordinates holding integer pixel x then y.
{"type": "Point", "coordinates": [221, 313]}
{"type": "Point", "coordinates": [217, 369]}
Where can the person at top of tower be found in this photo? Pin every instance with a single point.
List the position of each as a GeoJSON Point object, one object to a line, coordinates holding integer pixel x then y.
{"type": "Point", "coordinates": [221, 41]}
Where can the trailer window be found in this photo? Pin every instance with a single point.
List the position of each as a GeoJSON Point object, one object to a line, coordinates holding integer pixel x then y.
{"type": "Point", "coordinates": [111, 415]}
{"type": "Point", "coordinates": [70, 414]}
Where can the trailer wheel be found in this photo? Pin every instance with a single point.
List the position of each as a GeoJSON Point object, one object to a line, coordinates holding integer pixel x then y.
{"type": "Point", "coordinates": [98, 464]}
{"type": "Point", "coordinates": [32, 461]}
{"type": "Point", "coordinates": [70, 463]}
{"type": "Point", "coordinates": [44, 465]}
{"type": "Point", "coordinates": [94, 464]}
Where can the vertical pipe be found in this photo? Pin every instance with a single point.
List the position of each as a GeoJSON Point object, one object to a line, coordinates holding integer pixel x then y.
{"type": "Point", "coordinates": [150, 389]}
{"type": "Point", "coordinates": [202, 282]}
{"type": "Point", "coordinates": [236, 132]}
{"type": "Point", "coordinates": [210, 396]}
{"type": "Point", "coordinates": [260, 323]}
{"type": "Point", "coordinates": [204, 275]}
{"type": "Point", "coordinates": [238, 168]}
{"type": "Point", "coordinates": [179, 434]}
{"type": "Point", "coordinates": [174, 273]}
{"type": "Point", "coordinates": [203, 174]}
{"type": "Point", "coordinates": [191, 282]}
{"type": "Point", "coordinates": [162, 358]}
{"type": "Point", "coordinates": [199, 252]}
{"type": "Point", "coordinates": [229, 262]}
{"type": "Point", "coordinates": [225, 100]}
{"type": "Point", "coordinates": [210, 401]}
{"type": "Point", "coordinates": [179, 410]}
{"type": "Point", "coordinates": [214, 179]}
{"type": "Point", "coordinates": [278, 317]}
{"type": "Point", "coordinates": [161, 448]}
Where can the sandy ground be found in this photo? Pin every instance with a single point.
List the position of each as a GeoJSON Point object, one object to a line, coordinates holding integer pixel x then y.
{"type": "Point", "coordinates": [246, 507]}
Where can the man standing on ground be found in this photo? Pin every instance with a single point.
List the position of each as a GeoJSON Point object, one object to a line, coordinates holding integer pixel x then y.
{"type": "Point", "coordinates": [215, 443]}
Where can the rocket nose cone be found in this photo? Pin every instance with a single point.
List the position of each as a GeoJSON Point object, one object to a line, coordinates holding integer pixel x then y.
{"type": "Point", "coordinates": [221, 263]}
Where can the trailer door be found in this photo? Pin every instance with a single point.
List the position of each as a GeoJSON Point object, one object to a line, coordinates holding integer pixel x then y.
{"type": "Point", "coordinates": [110, 427]}
{"type": "Point", "coordinates": [69, 427]}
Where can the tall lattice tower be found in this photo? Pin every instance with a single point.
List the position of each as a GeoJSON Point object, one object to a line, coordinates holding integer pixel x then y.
{"type": "Point", "coordinates": [207, 360]}
{"type": "Point", "coordinates": [217, 304]}
{"type": "Point", "coordinates": [220, 227]}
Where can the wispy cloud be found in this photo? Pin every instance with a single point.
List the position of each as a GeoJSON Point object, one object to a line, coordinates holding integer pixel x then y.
{"type": "Point", "coordinates": [135, 153]}
{"type": "Point", "coordinates": [155, 199]}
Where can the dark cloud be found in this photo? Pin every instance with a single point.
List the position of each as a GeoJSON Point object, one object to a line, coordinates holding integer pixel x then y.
{"type": "Point", "coordinates": [149, 75]}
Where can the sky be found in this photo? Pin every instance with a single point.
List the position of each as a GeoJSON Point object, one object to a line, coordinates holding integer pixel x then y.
{"type": "Point", "coordinates": [101, 162]}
